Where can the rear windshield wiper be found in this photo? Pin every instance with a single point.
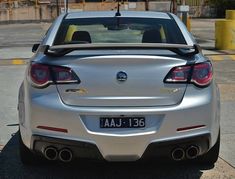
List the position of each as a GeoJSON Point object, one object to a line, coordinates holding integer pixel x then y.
{"type": "Point", "coordinates": [61, 50]}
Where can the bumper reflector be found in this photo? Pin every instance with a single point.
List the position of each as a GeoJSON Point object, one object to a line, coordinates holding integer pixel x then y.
{"type": "Point", "coordinates": [53, 129]}
{"type": "Point", "coordinates": [190, 127]}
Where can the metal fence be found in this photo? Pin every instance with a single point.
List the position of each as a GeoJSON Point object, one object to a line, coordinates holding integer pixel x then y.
{"type": "Point", "coordinates": [193, 2]}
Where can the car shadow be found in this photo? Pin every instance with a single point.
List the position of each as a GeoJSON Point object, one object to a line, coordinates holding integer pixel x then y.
{"type": "Point", "coordinates": [11, 167]}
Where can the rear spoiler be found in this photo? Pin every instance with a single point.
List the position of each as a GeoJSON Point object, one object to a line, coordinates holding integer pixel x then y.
{"type": "Point", "coordinates": [180, 49]}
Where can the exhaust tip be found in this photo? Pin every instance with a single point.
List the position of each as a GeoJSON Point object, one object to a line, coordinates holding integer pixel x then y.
{"type": "Point", "coordinates": [192, 152]}
{"type": "Point", "coordinates": [51, 153]}
{"type": "Point", "coordinates": [65, 155]}
{"type": "Point", "coordinates": [178, 154]}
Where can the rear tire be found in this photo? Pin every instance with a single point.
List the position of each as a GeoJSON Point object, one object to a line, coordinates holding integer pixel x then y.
{"type": "Point", "coordinates": [27, 156]}
{"type": "Point", "coordinates": [212, 155]}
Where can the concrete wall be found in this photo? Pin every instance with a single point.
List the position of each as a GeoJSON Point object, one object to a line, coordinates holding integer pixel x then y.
{"type": "Point", "coordinates": [32, 13]}
{"type": "Point", "coordinates": [91, 6]}
{"type": "Point", "coordinates": [48, 12]}
{"type": "Point", "coordinates": [160, 6]}
{"type": "Point", "coordinates": [204, 11]}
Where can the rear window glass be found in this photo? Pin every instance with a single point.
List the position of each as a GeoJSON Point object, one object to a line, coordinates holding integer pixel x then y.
{"type": "Point", "coordinates": [118, 30]}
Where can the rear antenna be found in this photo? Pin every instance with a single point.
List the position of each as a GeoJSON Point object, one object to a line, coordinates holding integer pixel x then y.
{"type": "Point", "coordinates": [118, 9]}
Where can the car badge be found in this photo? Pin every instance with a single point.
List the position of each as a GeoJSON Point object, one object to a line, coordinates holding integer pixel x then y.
{"type": "Point", "coordinates": [79, 91]}
{"type": "Point", "coordinates": [121, 76]}
{"type": "Point", "coordinates": [169, 90]}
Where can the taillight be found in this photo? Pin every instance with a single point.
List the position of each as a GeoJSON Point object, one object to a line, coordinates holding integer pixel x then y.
{"type": "Point", "coordinates": [202, 74]}
{"type": "Point", "coordinates": [199, 74]}
{"type": "Point", "coordinates": [178, 74]}
{"type": "Point", "coordinates": [42, 75]}
{"type": "Point", "coordinates": [64, 75]}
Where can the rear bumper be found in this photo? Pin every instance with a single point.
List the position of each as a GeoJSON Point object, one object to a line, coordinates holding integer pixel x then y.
{"type": "Point", "coordinates": [198, 107]}
{"type": "Point", "coordinates": [78, 148]}
{"type": "Point", "coordinates": [90, 151]}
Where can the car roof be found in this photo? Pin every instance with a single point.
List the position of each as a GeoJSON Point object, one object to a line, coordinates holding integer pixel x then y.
{"type": "Point", "coordinates": [139, 14]}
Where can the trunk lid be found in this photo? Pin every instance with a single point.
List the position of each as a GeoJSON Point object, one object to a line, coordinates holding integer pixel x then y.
{"type": "Point", "coordinates": [144, 85]}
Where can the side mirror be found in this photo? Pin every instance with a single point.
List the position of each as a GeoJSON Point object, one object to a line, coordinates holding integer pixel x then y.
{"type": "Point", "coordinates": [35, 48]}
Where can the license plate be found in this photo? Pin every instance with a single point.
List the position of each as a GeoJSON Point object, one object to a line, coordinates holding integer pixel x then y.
{"type": "Point", "coordinates": [122, 122]}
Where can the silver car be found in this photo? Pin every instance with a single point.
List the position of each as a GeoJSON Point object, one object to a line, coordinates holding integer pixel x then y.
{"type": "Point", "coordinates": [122, 86]}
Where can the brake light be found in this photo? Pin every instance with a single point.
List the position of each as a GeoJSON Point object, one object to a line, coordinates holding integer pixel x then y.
{"type": "Point", "coordinates": [202, 74]}
{"type": "Point", "coordinates": [199, 74]}
{"type": "Point", "coordinates": [178, 74]}
{"type": "Point", "coordinates": [42, 75]}
{"type": "Point", "coordinates": [64, 75]}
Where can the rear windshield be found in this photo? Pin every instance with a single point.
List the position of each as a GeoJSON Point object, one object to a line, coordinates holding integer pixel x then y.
{"type": "Point", "coordinates": [118, 30]}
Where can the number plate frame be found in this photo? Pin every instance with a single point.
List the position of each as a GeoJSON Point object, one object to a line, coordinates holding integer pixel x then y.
{"type": "Point", "coordinates": [122, 122]}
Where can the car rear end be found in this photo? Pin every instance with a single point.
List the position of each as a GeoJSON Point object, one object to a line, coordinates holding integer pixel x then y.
{"type": "Point", "coordinates": [119, 103]}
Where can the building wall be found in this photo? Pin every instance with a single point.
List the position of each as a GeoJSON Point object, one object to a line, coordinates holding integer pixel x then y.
{"type": "Point", "coordinates": [48, 12]}
{"type": "Point", "coordinates": [28, 13]}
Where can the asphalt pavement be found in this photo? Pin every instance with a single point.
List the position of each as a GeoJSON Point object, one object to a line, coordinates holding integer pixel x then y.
{"type": "Point", "coordinates": [15, 49]}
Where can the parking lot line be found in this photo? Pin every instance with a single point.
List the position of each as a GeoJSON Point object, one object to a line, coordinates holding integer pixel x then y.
{"type": "Point", "coordinates": [216, 58]}
{"type": "Point", "coordinates": [17, 61]}
{"type": "Point", "coordinates": [232, 57]}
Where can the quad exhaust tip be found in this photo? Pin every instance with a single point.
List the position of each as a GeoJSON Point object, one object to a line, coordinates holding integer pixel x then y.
{"type": "Point", "coordinates": [178, 154]}
{"type": "Point", "coordinates": [51, 153]}
{"type": "Point", "coordinates": [65, 155]}
{"type": "Point", "coordinates": [192, 152]}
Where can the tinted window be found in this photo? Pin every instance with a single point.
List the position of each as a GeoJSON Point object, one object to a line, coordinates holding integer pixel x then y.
{"type": "Point", "coordinates": [119, 30]}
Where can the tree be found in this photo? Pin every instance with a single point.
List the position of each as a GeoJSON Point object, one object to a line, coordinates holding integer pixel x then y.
{"type": "Point", "coordinates": [222, 5]}
{"type": "Point", "coordinates": [202, 4]}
